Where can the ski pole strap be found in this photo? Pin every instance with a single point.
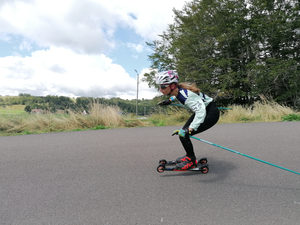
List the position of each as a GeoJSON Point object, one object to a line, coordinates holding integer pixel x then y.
{"type": "Point", "coordinates": [230, 150]}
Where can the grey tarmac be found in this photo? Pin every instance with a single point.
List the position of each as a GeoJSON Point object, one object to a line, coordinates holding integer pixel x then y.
{"type": "Point", "coordinates": [109, 177]}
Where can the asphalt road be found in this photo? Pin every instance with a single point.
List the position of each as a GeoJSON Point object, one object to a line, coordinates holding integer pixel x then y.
{"type": "Point", "coordinates": [110, 177]}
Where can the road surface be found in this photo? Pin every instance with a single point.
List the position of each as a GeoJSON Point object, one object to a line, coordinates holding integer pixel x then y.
{"type": "Point", "coordinates": [110, 177]}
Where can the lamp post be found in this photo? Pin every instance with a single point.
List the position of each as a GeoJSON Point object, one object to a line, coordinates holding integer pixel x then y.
{"type": "Point", "coordinates": [137, 93]}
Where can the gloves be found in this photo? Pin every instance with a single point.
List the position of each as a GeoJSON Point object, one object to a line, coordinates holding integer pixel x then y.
{"type": "Point", "coordinates": [182, 132]}
{"type": "Point", "coordinates": [165, 102]}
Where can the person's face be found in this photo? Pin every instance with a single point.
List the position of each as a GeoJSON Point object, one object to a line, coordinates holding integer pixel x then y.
{"type": "Point", "coordinates": [165, 89]}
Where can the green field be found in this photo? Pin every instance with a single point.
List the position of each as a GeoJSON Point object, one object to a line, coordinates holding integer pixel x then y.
{"type": "Point", "coordinates": [14, 109]}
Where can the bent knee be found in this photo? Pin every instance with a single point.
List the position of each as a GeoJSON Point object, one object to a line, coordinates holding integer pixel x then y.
{"type": "Point", "coordinates": [183, 139]}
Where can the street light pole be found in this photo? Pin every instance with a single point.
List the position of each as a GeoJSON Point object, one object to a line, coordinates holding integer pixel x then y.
{"type": "Point", "coordinates": [137, 93]}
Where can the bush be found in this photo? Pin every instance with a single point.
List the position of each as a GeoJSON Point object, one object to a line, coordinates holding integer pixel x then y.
{"type": "Point", "coordinates": [291, 117]}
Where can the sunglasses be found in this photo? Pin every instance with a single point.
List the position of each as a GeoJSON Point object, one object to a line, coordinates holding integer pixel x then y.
{"type": "Point", "coordinates": [164, 86]}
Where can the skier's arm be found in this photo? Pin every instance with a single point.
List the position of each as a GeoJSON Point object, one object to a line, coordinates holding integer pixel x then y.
{"type": "Point", "coordinates": [167, 101]}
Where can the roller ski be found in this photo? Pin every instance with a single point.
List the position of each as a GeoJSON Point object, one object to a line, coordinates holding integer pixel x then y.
{"type": "Point", "coordinates": [201, 166]}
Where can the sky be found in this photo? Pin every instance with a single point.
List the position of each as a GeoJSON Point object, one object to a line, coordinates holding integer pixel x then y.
{"type": "Point", "coordinates": [78, 48]}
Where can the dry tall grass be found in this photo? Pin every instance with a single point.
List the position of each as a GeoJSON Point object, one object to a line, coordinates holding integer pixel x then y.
{"type": "Point", "coordinates": [106, 115]}
{"type": "Point", "coordinates": [258, 112]}
{"type": "Point", "coordinates": [99, 116]}
{"type": "Point", "coordinates": [169, 116]}
{"type": "Point", "coordinates": [266, 111]}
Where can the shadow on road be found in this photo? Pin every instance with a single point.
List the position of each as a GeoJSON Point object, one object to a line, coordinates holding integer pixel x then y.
{"type": "Point", "coordinates": [221, 171]}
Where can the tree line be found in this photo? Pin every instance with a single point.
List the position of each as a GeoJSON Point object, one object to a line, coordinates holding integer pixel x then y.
{"type": "Point", "coordinates": [234, 50]}
{"type": "Point", "coordinates": [56, 103]}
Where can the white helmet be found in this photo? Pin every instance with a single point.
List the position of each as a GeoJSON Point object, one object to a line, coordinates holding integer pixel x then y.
{"type": "Point", "coordinates": [167, 77]}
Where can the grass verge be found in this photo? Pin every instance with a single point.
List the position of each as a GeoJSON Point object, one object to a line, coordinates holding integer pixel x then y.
{"type": "Point", "coordinates": [258, 112]}
{"type": "Point", "coordinates": [100, 117]}
{"type": "Point", "coordinates": [104, 117]}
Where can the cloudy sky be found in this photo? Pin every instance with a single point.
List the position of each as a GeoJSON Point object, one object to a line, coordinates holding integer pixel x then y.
{"type": "Point", "coordinates": [79, 48]}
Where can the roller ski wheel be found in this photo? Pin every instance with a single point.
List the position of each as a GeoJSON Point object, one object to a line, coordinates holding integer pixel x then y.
{"type": "Point", "coordinates": [204, 169]}
{"type": "Point", "coordinates": [203, 161]}
{"type": "Point", "coordinates": [161, 168]}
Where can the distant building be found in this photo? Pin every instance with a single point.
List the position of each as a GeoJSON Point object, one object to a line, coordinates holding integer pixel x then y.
{"type": "Point", "coordinates": [37, 111]}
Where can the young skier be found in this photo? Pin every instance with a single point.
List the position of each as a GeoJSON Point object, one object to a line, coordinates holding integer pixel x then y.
{"type": "Point", "coordinates": [206, 113]}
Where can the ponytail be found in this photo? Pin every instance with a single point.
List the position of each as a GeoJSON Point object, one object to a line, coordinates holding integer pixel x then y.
{"type": "Point", "coordinates": [192, 87]}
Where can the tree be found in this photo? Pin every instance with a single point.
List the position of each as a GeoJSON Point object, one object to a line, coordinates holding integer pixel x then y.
{"type": "Point", "coordinates": [82, 103]}
{"type": "Point", "coordinates": [24, 95]}
{"type": "Point", "coordinates": [229, 48]}
{"type": "Point", "coordinates": [27, 109]}
{"type": "Point", "coordinates": [276, 69]}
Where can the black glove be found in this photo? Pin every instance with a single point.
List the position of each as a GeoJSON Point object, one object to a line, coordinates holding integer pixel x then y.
{"type": "Point", "coordinates": [165, 102]}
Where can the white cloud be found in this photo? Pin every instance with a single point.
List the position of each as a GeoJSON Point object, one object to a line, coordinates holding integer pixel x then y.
{"type": "Point", "coordinates": [77, 37]}
{"type": "Point", "coordinates": [69, 23]}
{"type": "Point", "coordinates": [60, 71]}
{"type": "Point", "coordinates": [136, 47]}
{"type": "Point", "coordinates": [84, 26]}
{"type": "Point", "coordinates": [25, 45]}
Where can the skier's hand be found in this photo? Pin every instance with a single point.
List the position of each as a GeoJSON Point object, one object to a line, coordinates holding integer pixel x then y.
{"type": "Point", "coordinates": [165, 102]}
{"type": "Point", "coordinates": [182, 132]}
